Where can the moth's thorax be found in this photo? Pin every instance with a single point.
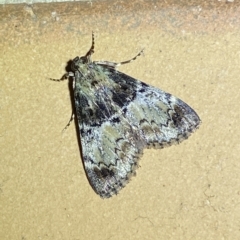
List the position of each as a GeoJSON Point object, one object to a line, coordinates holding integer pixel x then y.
{"type": "Point", "coordinates": [90, 77]}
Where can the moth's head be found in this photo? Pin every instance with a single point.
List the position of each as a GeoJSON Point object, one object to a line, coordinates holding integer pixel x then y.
{"type": "Point", "coordinates": [79, 62]}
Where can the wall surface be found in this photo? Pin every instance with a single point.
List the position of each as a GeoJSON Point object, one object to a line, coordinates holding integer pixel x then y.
{"type": "Point", "coordinates": [186, 191]}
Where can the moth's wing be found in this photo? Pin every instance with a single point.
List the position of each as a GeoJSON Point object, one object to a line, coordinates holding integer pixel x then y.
{"type": "Point", "coordinates": [110, 157]}
{"type": "Point", "coordinates": [161, 118]}
{"type": "Point", "coordinates": [138, 116]}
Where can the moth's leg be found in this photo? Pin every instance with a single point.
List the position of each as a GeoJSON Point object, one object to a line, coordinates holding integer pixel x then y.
{"type": "Point", "coordinates": [69, 123]}
{"type": "Point", "coordinates": [64, 77]}
{"type": "Point", "coordinates": [72, 115]}
{"type": "Point", "coordinates": [114, 64]}
{"type": "Point", "coordinates": [91, 50]}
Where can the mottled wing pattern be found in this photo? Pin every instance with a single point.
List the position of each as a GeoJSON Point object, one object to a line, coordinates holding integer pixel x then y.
{"type": "Point", "coordinates": [118, 117]}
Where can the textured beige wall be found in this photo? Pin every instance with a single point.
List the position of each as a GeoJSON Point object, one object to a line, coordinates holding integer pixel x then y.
{"type": "Point", "coordinates": [188, 191]}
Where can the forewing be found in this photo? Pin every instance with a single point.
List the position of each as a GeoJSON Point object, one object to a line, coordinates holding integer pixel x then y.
{"type": "Point", "coordinates": [126, 116]}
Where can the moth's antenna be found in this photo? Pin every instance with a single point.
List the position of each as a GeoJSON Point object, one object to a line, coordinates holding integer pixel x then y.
{"type": "Point", "coordinates": [91, 50]}
{"type": "Point", "coordinates": [114, 65]}
{"type": "Point", "coordinates": [132, 59]}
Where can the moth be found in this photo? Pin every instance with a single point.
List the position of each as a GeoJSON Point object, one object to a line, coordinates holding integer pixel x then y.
{"type": "Point", "coordinates": [118, 116]}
